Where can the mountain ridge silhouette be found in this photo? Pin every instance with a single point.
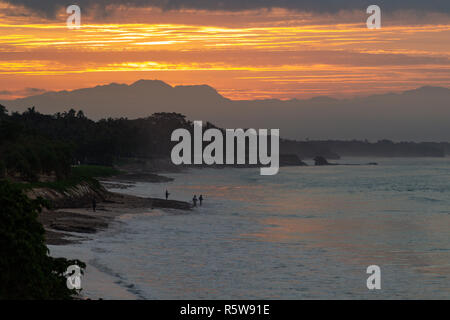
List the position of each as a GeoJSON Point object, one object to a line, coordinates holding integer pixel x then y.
{"type": "Point", "coordinates": [421, 114]}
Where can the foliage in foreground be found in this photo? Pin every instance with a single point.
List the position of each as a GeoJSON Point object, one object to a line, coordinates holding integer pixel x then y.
{"type": "Point", "coordinates": [26, 269]}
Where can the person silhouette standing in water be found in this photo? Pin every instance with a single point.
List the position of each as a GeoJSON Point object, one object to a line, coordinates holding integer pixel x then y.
{"type": "Point", "coordinates": [167, 194]}
{"type": "Point", "coordinates": [200, 199]}
{"type": "Point", "coordinates": [194, 200]}
{"type": "Point", "coordinates": [94, 204]}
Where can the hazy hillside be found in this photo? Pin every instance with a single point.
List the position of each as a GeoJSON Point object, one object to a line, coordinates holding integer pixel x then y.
{"type": "Point", "coordinates": [422, 114]}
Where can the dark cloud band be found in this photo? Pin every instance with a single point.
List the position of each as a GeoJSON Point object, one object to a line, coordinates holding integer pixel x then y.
{"type": "Point", "coordinates": [49, 7]}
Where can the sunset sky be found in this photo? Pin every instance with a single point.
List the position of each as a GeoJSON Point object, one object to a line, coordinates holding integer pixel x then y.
{"type": "Point", "coordinates": [244, 49]}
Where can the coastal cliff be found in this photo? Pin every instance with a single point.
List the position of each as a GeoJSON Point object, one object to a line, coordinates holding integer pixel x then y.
{"type": "Point", "coordinates": [71, 217]}
{"type": "Point", "coordinates": [80, 195]}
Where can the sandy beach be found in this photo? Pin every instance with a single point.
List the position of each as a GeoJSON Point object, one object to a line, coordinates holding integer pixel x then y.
{"type": "Point", "coordinates": [71, 225]}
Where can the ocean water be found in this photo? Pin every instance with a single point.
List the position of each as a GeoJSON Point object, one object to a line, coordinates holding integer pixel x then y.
{"type": "Point", "coordinates": [306, 233]}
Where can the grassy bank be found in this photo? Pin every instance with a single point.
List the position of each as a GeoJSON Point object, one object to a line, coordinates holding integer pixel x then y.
{"type": "Point", "coordinates": [78, 174]}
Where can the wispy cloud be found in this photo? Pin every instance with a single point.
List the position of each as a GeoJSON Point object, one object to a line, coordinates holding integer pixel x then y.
{"type": "Point", "coordinates": [10, 94]}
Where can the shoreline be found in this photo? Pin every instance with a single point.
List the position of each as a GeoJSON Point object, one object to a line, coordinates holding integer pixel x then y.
{"type": "Point", "coordinates": [65, 226]}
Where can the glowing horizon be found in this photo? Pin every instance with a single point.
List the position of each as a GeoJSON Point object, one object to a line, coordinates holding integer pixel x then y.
{"type": "Point", "coordinates": [260, 54]}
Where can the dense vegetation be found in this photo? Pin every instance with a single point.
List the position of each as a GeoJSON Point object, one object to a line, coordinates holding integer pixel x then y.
{"type": "Point", "coordinates": [26, 269]}
{"type": "Point", "coordinates": [27, 154]}
{"type": "Point", "coordinates": [34, 144]}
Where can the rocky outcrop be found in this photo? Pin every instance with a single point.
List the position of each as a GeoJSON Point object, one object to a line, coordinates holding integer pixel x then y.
{"type": "Point", "coordinates": [321, 161]}
{"type": "Point", "coordinates": [291, 160]}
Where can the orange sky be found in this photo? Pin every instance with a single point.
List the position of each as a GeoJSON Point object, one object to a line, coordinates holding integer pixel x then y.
{"type": "Point", "coordinates": [244, 55]}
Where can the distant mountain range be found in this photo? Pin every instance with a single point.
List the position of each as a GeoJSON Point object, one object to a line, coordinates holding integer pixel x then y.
{"type": "Point", "coordinates": [422, 114]}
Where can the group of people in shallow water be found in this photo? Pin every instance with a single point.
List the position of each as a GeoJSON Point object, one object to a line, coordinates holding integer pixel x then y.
{"type": "Point", "coordinates": [194, 200]}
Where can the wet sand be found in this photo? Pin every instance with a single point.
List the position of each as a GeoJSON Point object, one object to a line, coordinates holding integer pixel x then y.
{"type": "Point", "coordinates": [65, 226]}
